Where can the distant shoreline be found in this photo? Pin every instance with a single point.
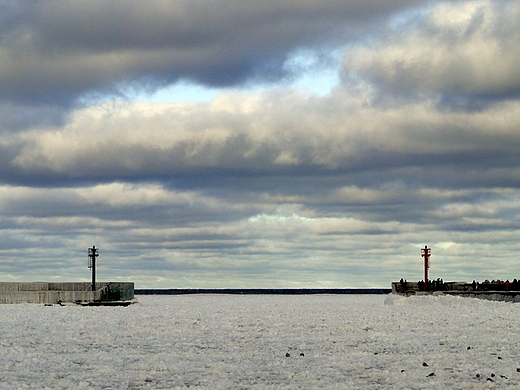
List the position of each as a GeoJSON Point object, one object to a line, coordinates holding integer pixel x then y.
{"type": "Point", "coordinates": [261, 291]}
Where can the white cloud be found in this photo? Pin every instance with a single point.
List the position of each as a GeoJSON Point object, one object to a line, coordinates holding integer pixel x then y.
{"type": "Point", "coordinates": [460, 48]}
{"type": "Point", "coordinates": [261, 133]}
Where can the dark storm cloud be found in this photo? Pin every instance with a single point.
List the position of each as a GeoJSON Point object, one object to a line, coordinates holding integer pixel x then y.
{"type": "Point", "coordinates": [56, 51]}
{"type": "Point", "coordinates": [15, 117]}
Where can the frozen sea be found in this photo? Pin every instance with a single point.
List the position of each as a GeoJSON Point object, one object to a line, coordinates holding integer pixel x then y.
{"type": "Point", "coordinates": [263, 342]}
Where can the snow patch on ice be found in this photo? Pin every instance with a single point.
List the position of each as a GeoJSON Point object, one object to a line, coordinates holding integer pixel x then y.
{"type": "Point", "coordinates": [395, 299]}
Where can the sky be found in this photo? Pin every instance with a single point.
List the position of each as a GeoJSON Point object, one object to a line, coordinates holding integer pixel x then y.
{"type": "Point", "coordinates": [235, 144]}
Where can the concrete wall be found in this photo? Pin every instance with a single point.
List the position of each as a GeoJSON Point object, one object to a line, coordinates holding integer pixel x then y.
{"type": "Point", "coordinates": [501, 296]}
{"type": "Point", "coordinates": [458, 289]}
{"type": "Point", "coordinates": [122, 291]}
{"type": "Point", "coordinates": [404, 288]}
{"type": "Point", "coordinates": [44, 286]}
{"type": "Point", "coordinates": [52, 293]}
{"type": "Point", "coordinates": [51, 297]}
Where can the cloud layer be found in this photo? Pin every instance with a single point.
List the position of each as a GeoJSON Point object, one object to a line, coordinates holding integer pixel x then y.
{"type": "Point", "coordinates": [466, 50]}
{"type": "Point", "coordinates": [56, 51]}
{"type": "Point", "coordinates": [273, 188]}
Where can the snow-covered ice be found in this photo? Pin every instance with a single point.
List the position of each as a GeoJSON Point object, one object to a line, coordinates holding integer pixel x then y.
{"type": "Point", "coordinates": [264, 342]}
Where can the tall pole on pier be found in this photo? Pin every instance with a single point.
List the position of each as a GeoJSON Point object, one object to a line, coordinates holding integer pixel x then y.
{"type": "Point", "coordinates": [92, 254]}
{"type": "Point", "coordinates": [426, 253]}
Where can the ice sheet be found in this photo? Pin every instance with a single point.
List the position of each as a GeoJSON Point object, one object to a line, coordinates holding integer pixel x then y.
{"type": "Point", "coordinates": [264, 342]}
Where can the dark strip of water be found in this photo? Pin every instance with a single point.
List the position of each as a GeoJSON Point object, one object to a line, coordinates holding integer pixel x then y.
{"type": "Point", "coordinates": [262, 291]}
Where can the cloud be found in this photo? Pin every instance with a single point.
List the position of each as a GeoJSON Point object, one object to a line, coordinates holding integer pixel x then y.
{"type": "Point", "coordinates": [359, 177]}
{"type": "Point", "coordinates": [56, 52]}
{"type": "Point", "coordinates": [259, 188]}
{"type": "Point", "coordinates": [461, 51]}
{"type": "Point", "coordinates": [275, 134]}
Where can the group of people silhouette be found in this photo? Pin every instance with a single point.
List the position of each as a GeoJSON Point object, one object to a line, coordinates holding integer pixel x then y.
{"type": "Point", "coordinates": [439, 285]}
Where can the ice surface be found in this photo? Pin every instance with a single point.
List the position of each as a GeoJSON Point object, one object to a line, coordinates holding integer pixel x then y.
{"type": "Point", "coordinates": [243, 342]}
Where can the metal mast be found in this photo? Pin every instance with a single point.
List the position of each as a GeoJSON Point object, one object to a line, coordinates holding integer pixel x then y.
{"type": "Point", "coordinates": [92, 254]}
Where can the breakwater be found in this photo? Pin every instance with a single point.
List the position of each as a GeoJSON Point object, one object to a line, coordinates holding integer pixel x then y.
{"type": "Point", "coordinates": [493, 291]}
{"type": "Point", "coordinates": [73, 292]}
{"type": "Point", "coordinates": [501, 296]}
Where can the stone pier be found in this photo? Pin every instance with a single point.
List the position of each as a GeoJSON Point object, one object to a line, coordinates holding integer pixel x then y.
{"type": "Point", "coordinates": [491, 292]}
{"type": "Point", "coordinates": [74, 292]}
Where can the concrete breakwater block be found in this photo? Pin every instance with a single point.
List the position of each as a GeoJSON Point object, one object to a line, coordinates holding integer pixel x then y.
{"type": "Point", "coordinates": [53, 293]}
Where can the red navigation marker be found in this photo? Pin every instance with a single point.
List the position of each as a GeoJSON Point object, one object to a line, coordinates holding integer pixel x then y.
{"type": "Point", "coordinates": [426, 253]}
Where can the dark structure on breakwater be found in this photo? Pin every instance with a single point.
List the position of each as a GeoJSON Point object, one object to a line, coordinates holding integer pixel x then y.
{"type": "Point", "coordinates": [404, 287]}
{"type": "Point", "coordinates": [495, 290]}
